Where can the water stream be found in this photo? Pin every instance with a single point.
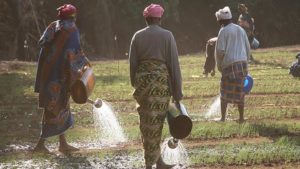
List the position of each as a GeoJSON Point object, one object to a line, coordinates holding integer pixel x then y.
{"type": "Point", "coordinates": [176, 156]}
{"type": "Point", "coordinates": [214, 111]}
{"type": "Point", "coordinates": [106, 124]}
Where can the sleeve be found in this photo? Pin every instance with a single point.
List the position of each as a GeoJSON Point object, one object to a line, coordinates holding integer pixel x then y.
{"type": "Point", "coordinates": [174, 70]}
{"type": "Point", "coordinates": [44, 42]}
{"type": "Point", "coordinates": [76, 60]}
{"type": "Point", "coordinates": [74, 41]}
{"type": "Point", "coordinates": [220, 49]}
{"type": "Point", "coordinates": [133, 63]}
{"type": "Point", "coordinates": [74, 48]}
{"type": "Point", "coordinates": [206, 49]}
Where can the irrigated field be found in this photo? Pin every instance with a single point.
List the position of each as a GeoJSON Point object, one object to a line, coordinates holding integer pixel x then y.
{"type": "Point", "coordinates": [270, 137]}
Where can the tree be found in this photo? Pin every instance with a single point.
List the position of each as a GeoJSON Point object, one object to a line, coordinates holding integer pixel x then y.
{"type": "Point", "coordinates": [107, 26]}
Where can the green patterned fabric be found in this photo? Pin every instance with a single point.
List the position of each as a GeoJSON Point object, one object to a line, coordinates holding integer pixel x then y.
{"type": "Point", "coordinates": [152, 95]}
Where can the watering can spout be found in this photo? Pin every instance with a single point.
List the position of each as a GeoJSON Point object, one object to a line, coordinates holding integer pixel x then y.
{"type": "Point", "coordinates": [173, 143]}
{"type": "Point", "coordinates": [97, 103]}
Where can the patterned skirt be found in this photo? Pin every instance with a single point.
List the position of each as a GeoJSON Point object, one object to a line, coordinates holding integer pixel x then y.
{"type": "Point", "coordinates": [56, 123]}
{"type": "Point", "coordinates": [152, 95]}
{"type": "Point", "coordinates": [232, 83]}
{"type": "Point", "coordinates": [57, 117]}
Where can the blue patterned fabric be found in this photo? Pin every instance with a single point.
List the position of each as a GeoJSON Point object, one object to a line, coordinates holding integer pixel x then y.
{"type": "Point", "coordinates": [60, 46]}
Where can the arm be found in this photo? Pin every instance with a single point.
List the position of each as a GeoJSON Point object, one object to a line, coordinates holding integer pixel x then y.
{"type": "Point", "coordinates": [133, 63]}
{"type": "Point", "coordinates": [174, 70]}
{"type": "Point", "coordinates": [220, 50]}
{"type": "Point", "coordinates": [76, 61]}
{"type": "Point", "coordinates": [250, 20]}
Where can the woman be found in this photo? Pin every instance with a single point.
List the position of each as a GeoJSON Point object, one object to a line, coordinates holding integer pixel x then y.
{"type": "Point", "coordinates": [155, 75]}
{"type": "Point", "coordinates": [232, 55]}
{"type": "Point", "coordinates": [60, 54]}
{"type": "Point", "coordinates": [246, 21]}
{"type": "Point", "coordinates": [210, 62]}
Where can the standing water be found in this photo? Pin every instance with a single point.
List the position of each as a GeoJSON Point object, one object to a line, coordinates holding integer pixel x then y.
{"type": "Point", "coordinates": [174, 156]}
{"type": "Point", "coordinates": [214, 110]}
{"type": "Point", "coordinates": [107, 126]}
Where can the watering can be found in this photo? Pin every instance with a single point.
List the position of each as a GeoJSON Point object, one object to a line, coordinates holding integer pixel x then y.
{"type": "Point", "coordinates": [180, 124]}
{"type": "Point", "coordinates": [295, 67]}
{"type": "Point", "coordinates": [82, 87]}
{"type": "Point", "coordinates": [82, 80]}
{"type": "Point", "coordinates": [248, 84]}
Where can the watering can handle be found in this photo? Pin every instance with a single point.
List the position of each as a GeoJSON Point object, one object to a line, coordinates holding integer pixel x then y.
{"type": "Point", "coordinates": [177, 104]}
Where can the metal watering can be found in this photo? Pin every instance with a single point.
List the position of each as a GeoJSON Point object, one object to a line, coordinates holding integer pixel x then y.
{"type": "Point", "coordinates": [180, 124]}
{"type": "Point", "coordinates": [82, 88]}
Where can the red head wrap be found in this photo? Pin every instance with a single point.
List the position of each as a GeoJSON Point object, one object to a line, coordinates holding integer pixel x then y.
{"type": "Point", "coordinates": [153, 10]}
{"type": "Point", "coordinates": [66, 11]}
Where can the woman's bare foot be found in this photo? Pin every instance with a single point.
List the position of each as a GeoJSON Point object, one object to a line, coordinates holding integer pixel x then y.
{"type": "Point", "coordinates": [241, 120]}
{"type": "Point", "coordinates": [40, 147]}
{"type": "Point", "coordinates": [222, 119]}
{"type": "Point", "coordinates": [65, 148]}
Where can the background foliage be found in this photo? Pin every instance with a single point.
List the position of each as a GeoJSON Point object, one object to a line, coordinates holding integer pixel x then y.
{"type": "Point", "coordinates": [107, 25]}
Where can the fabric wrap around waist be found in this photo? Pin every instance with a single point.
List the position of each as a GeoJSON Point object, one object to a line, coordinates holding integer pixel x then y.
{"type": "Point", "coordinates": [151, 67]}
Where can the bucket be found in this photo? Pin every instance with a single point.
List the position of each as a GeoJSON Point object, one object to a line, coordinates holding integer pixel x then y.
{"type": "Point", "coordinates": [255, 43]}
{"type": "Point", "coordinates": [248, 84]}
{"type": "Point", "coordinates": [82, 88]}
{"type": "Point", "coordinates": [180, 124]}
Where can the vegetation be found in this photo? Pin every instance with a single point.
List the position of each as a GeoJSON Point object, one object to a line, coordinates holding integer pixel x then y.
{"type": "Point", "coordinates": [269, 136]}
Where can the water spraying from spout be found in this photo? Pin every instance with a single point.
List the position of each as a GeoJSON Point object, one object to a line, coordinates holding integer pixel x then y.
{"type": "Point", "coordinates": [214, 110]}
{"type": "Point", "coordinates": [106, 124]}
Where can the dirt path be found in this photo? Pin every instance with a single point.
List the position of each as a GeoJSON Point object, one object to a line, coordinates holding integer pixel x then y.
{"type": "Point", "coordinates": [137, 145]}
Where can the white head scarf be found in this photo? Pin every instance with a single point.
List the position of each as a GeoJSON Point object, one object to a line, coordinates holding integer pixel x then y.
{"type": "Point", "coordinates": [223, 14]}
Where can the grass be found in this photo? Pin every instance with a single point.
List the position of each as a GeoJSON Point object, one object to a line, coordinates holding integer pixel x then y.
{"type": "Point", "coordinates": [283, 150]}
{"type": "Point", "coordinates": [272, 110]}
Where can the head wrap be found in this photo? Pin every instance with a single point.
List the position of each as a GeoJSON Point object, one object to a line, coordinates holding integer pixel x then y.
{"type": "Point", "coordinates": [66, 11]}
{"type": "Point", "coordinates": [153, 10]}
{"type": "Point", "coordinates": [242, 8]}
{"type": "Point", "coordinates": [223, 14]}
